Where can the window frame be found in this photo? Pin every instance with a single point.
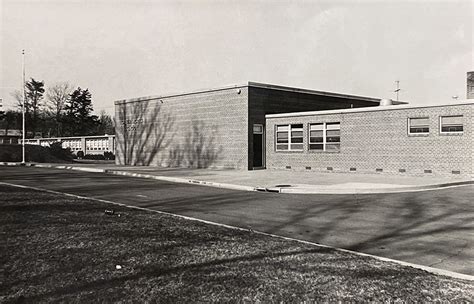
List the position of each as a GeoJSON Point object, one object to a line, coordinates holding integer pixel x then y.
{"type": "Point", "coordinates": [325, 142]}
{"type": "Point", "coordinates": [289, 132]}
{"type": "Point", "coordinates": [418, 133]}
{"type": "Point", "coordinates": [441, 132]}
{"type": "Point", "coordinates": [290, 138]}
{"type": "Point", "coordinates": [258, 130]}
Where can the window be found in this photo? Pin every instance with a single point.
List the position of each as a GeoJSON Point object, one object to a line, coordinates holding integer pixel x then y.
{"type": "Point", "coordinates": [296, 140]}
{"type": "Point", "coordinates": [451, 124]}
{"type": "Point", "coordinates": [316, 137]}
{"type": "Point", "coordinates": [333, 137]}
{"type": "Point", "coordinates": [282, 138]}
{"type": "Point", "coordinates": [289, 137]}
{"type": "Point", "coordinates": [257, 129]}
{"type": "Point", "coordinates": [419, 125]}
{"type": "Point", "coordinates": [325, 137]}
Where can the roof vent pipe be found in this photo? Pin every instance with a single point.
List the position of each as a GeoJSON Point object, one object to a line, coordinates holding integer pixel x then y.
{"type": "Point", "coordinates": [386, 102]}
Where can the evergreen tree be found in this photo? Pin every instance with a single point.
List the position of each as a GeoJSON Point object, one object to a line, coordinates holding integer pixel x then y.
{"type": "Point", "coordinates": [34, 94]}
{"type": "Point", "coordinates": [34, 91]}
{"type": "Point", "coordinates": [79, 119]}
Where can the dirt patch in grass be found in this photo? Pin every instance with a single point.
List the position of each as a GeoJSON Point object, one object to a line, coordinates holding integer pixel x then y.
{"type": "Point", "coordinates": [57, 248]}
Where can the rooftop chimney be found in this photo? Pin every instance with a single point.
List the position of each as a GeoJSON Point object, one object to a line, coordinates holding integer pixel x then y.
{"type": "Point", "coordinates": [386, 102]}
{"type": "Point", "coordinates": [470, 85]}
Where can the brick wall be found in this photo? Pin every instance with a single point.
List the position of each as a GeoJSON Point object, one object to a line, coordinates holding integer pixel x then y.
{"type": "Point", "coordinates": [274, 101]}
{"type": "Point", "coordinates": [373, 140]}
{"type": "Point", "coordinates": [207, 129]}
{"type": "Point", "coordinates": [202, 130]}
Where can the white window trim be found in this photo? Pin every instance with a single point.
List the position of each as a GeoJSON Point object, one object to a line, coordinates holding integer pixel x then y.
{"type": "Point", "coordinates": [422, 133]}
{"type": "Point", "coordinates": [450, 132]}
{"type": "Point", "coordinates": [302, 137]}
{"type": "Point", "coordinates": [289, 138]}
{"type": "Point", "coordinates": [276, 138]}
{"type": "Point", "coordinates": [324, 137]}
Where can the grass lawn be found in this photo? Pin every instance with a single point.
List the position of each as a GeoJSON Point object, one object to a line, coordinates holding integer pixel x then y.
{"type": "Point", "coordinates": [58, 248]}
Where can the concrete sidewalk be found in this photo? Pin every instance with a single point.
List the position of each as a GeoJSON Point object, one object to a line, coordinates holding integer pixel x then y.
{"type": "Point", "coordinates": [277, 180]}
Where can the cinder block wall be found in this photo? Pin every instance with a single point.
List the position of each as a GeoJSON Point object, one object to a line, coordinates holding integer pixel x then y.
{"type": "Point", "coordinates": [372, 140]}
{"type": "Point", "coordinates": [198, 130]}
{"type": "Point", "coordinates": [274, 101]}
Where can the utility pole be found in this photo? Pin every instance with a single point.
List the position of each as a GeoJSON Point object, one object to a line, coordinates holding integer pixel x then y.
{"type": "Point", "coordinates": [23, 113]}
{"type": "Point", "coordinates": [398, 88]}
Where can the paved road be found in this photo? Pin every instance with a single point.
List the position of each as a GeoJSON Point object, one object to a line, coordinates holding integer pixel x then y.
{"type": "Point", "coordinates": [433, 228]}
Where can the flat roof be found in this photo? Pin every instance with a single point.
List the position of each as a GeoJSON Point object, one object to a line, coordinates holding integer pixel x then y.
{"type": "Point", "coordinates": [309, 91]}
{"type": "Point", "coordinates": [257, 85]}
{"type": "Point", "coordinates": [144, 98]}
{"type": "Point", "coordinates": [368, 109]}
{"type": "Point", "coordinates": [70, 137]}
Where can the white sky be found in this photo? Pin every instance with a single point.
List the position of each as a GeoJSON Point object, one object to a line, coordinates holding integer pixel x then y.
{"type": "Point", "coordinates": [124, 49]}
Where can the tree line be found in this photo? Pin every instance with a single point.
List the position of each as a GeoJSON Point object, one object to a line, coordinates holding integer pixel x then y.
{"type": "Point", "coordinates": [59, 110]}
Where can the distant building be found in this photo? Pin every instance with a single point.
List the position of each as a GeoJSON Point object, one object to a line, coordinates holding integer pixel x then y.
{"type": "Point", "coordinates": [10, 136]}
{"type": "Point", "coordinates": [470, 85]}
{"type": "Point", "coordinates": [91, 145]}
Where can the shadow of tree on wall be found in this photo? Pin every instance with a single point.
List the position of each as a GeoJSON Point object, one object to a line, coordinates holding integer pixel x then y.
{"type": "Point", "coordinates": [142, 131]}
{"type": "Point", "coordinates": [199, 149]}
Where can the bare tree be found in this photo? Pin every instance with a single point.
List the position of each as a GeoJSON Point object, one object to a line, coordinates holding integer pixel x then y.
{"type": "Point", "coordinates": [18, 95]}
{"type": "Point", "coordinates": [34, 91]}
{"type": "Point", "coordinates": [57, 96]}
{"type": "Point", "coordinates": [106, 124]}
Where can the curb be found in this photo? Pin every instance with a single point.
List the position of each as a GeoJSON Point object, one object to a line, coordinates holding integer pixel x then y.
{"type": "Point", "coordinates": [429, 269]}
{"type": "Point", "coordinates": [315, 190]}
{"type": "Point", "coordinates": [284, 190]}
{"type": "Point", "coordinates": [149, 176]}
{"type": "Point", "coordinates": [181, 180]}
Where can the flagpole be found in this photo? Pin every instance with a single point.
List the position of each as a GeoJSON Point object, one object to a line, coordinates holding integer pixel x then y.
{"type": "Point", "coordinates": [23, 112]}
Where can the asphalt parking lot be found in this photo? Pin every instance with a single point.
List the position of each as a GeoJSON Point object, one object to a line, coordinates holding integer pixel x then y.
{"type": "Point", "coordinates": [432, 228]}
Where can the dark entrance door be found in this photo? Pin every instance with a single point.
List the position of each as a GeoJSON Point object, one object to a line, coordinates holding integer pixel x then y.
{"type": "Point", "coordinates": [258, 146]}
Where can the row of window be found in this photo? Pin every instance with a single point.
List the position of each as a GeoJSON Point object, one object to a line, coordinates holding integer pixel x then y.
{"type": "Point", "coordinates": [447, 124]}
{"type": "Point", "coordinates": [322, 137]}
{"type": "Point", "coordinates": [97, 149]}
{"type": "Point", "coordinates": [88, 149]}
{"type": "Point", "coordinates": [75, 144]}
{"type": "Point", "coordinates": [89, 146]}
{"type": "Point", "coordinates": [8, 141]}
{"type": "Point", "coordinates": [327, 136]}
{"type": "Point", "coordinates": [72, 144]}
